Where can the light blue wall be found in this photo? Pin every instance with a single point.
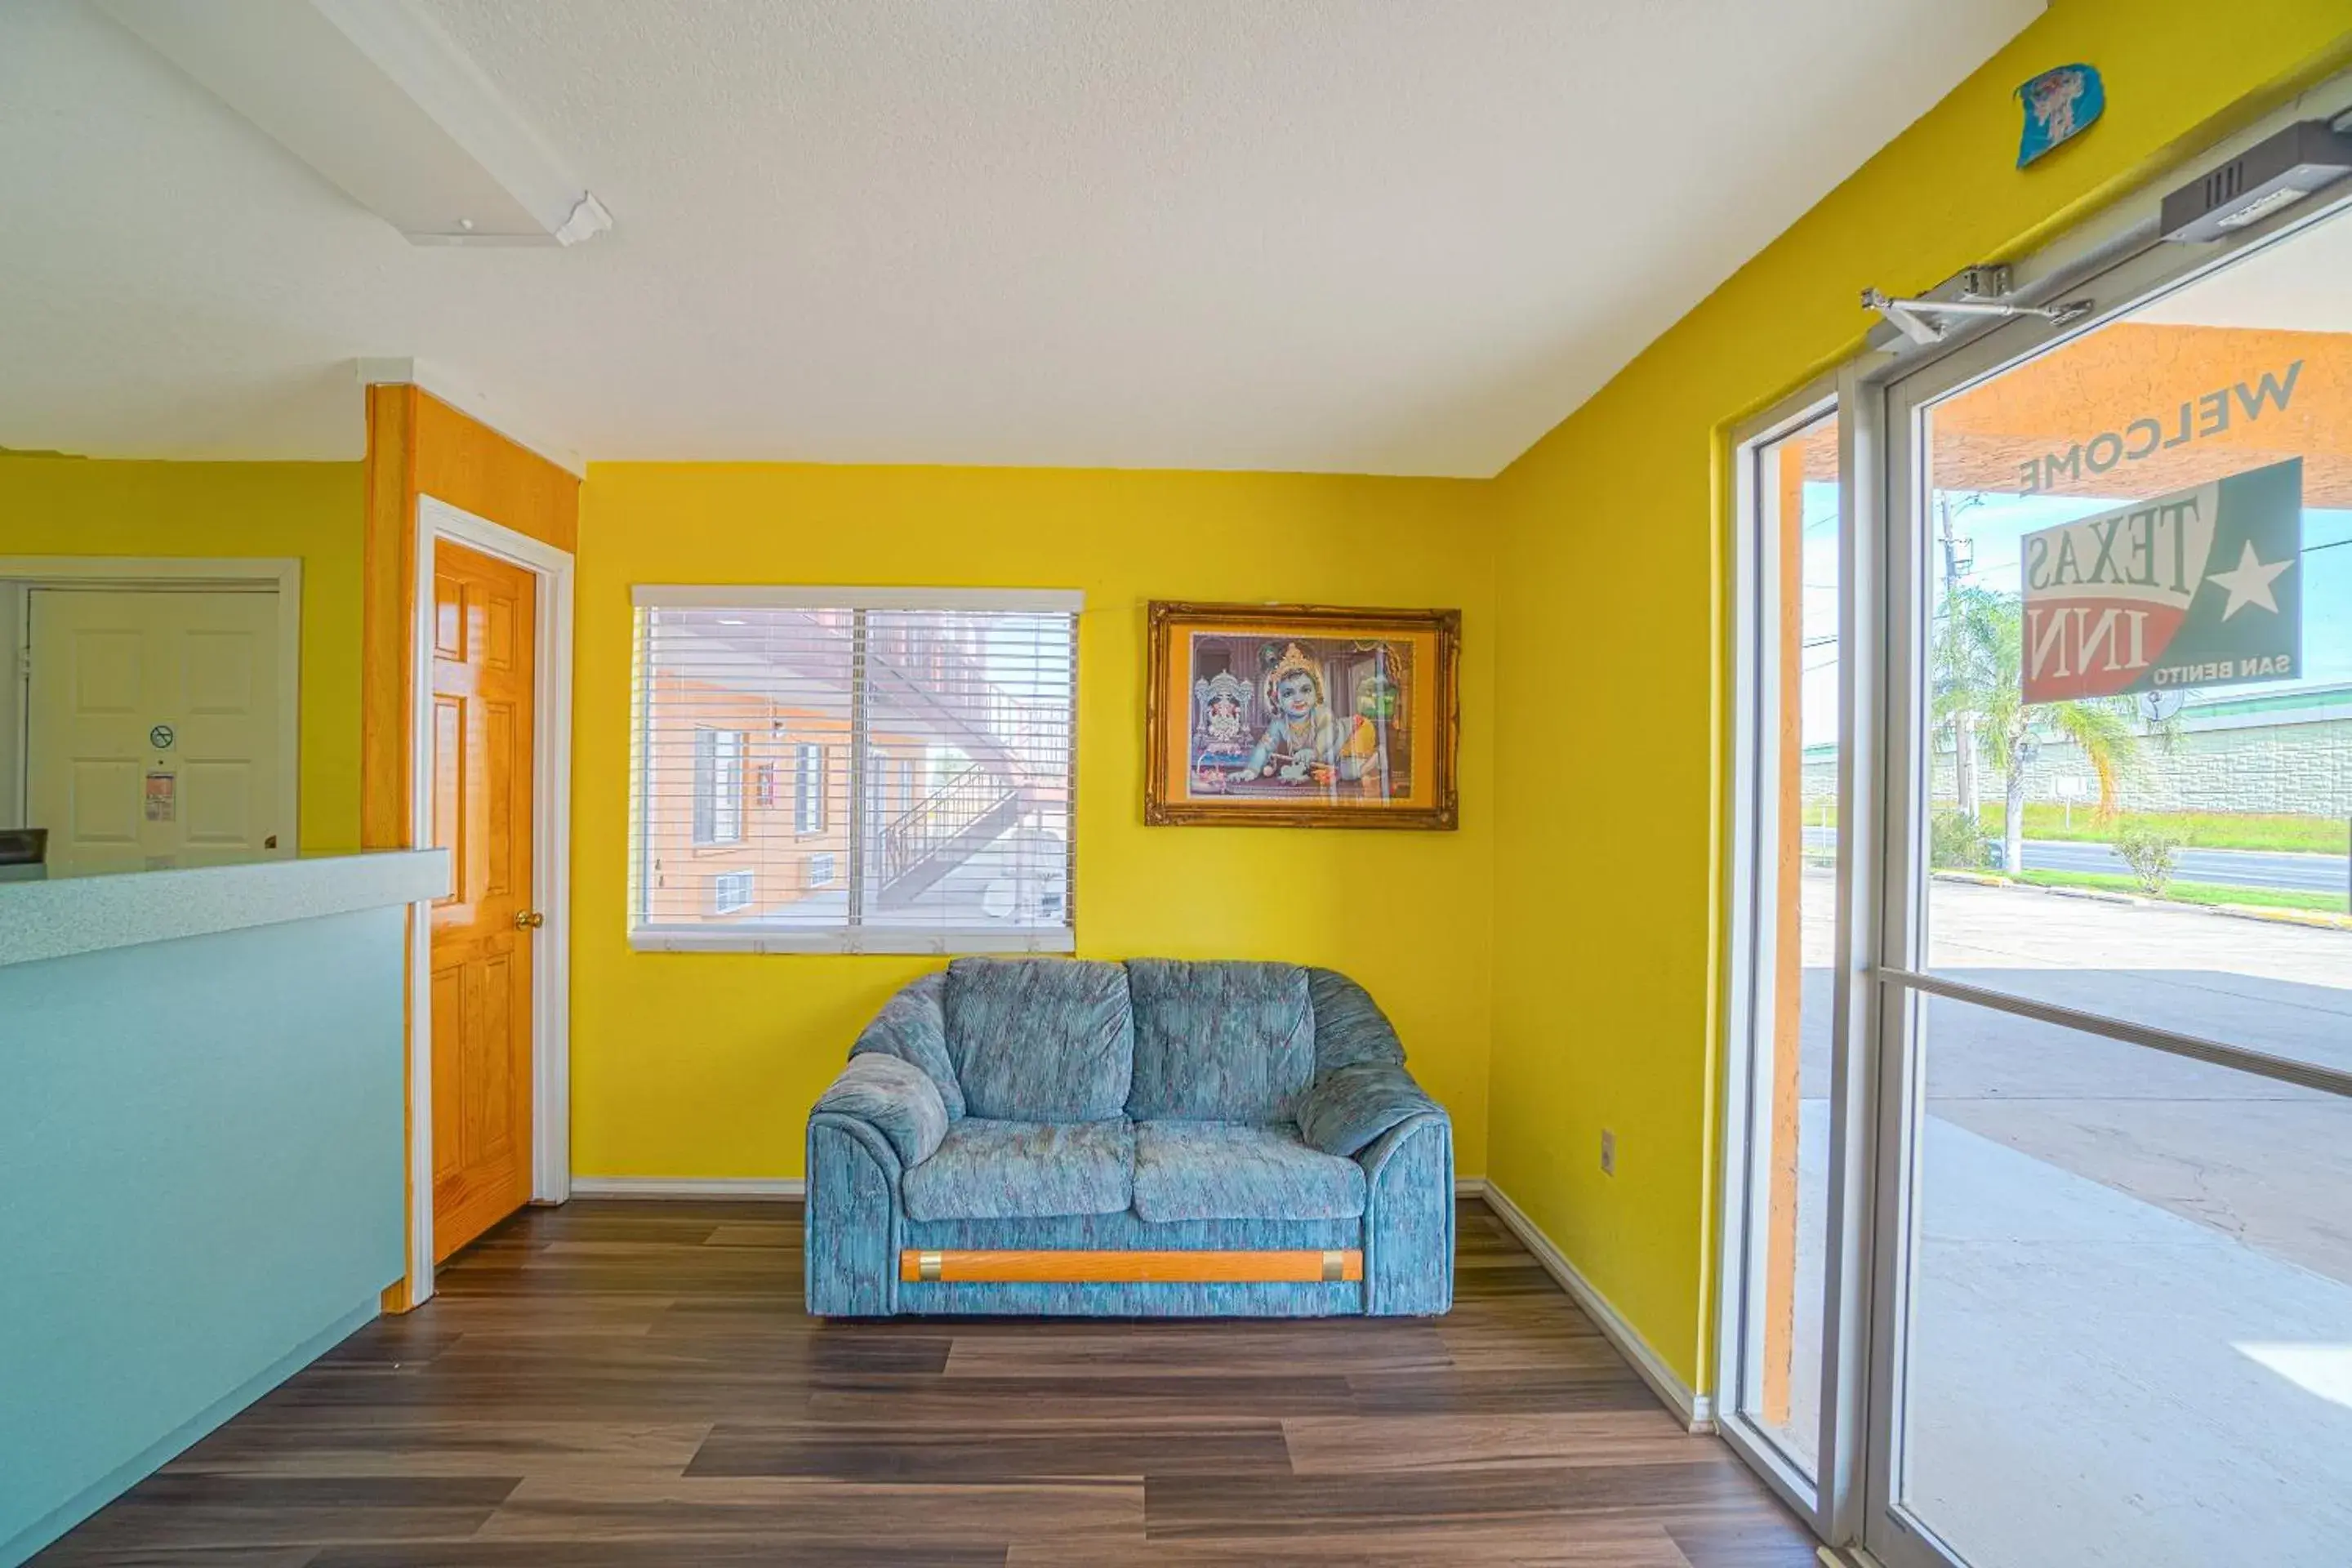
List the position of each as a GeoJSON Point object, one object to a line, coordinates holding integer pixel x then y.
{"type": "Point", "coordinates": [200, 1189]}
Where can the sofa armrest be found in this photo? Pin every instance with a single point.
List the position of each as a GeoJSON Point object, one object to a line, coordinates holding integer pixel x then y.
{"type": "Point", "coordinates": [1409, 1218]}
{"type": "Point", "coordinates": [849, 1232]}
{"type": "Point", "coordinates": [1346, 1111]}
{"type": "Point", "coordinates": [896, 1098]}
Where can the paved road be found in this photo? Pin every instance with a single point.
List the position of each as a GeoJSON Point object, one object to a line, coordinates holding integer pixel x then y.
{"type": "Point", "coordinates": [2229, 868]}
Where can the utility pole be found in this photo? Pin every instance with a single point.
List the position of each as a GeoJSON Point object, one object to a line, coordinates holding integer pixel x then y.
{"type": "Point", "coordinates": [1964, 729]}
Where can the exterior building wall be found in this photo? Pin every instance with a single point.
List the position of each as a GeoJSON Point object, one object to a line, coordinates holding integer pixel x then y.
{"type": "Point", "coordinates": [787, 865]}
{"type": "Point", "coordinates": [2292, 769]}
{"type": "Point", "coordinates": [2298, 769]}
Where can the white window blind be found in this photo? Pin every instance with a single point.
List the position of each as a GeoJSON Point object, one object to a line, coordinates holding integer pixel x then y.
{"type": "Point", "coordinates": [853, 770]}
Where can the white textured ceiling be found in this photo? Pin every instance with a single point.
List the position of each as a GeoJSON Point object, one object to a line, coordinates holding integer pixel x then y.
{"type": "Point", "coordinates": [1379, 235]}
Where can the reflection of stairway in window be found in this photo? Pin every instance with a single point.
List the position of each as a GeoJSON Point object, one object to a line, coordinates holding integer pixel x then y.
{"type": "Point", "coordinates": [945, 829]}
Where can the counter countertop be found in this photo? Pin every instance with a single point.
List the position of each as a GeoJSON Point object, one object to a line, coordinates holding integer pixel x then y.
{"type": "Point", "coordinates": [87, 914]}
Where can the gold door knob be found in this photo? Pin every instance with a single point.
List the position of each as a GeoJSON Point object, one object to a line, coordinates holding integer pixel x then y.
{"type": "Point", "coordinates": [528, 920]}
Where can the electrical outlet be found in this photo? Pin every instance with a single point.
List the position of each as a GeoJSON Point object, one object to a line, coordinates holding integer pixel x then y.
{"type": "Point", "coordinates": [1608, 1152]}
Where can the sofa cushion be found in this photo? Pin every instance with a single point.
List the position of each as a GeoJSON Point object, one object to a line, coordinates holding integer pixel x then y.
{"type": "Point", "coordinates": [1221, 1042]}
{"type": "Point", "coordinates": [912, 1027]}
{"type": "Point", "coordinates": [1346, 1109]}
{"type": "Point", "coordinates": [1008, 1170]}
{"type": "Point", "coordinates": [1040, 1039]}
{"type": "Point", "coordinates": [1188, 1170]}
{"type": "Point", "coordinates": [897, 1097]}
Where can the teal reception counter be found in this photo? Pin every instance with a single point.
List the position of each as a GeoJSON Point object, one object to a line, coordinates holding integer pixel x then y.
{"type": "Point", "coordinates": [201, 1155]}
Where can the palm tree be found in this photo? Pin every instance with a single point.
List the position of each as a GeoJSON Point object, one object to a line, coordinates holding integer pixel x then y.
{"type": "Point", "coordinates": [1978, 683]}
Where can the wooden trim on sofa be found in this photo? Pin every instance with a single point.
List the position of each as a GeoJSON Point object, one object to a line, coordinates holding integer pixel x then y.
{"type": "Point", "coordinates": [1075, 1267]}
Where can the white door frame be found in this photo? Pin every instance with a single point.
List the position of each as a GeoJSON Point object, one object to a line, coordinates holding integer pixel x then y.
{"type": "Point", "coordinates": [2116, 259]}
{"type": "Point", "coordinates": [1759, 687]}
{"type": "Point", "coordinates": [20, 574]}
{"type": "Point", "coordinates": [2116, 264]}
{"type": "Point", "coordinates": [551, 1008]}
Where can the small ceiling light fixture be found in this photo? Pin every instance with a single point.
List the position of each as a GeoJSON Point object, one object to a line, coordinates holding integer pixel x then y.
{"type": "Point", "coordinates": [1978, 291]}
{"type": "Point", "coordinates": [2275, 173]}
{"type": "Point", "coordinates": [378, 99]}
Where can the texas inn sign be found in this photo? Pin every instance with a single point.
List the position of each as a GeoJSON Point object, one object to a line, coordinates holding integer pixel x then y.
{"type": "Point", "coordinates": [2192, 589]}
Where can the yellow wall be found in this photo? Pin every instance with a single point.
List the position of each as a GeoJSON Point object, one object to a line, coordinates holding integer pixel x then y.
{"type": "Point", "coordinates": [1612, 533]}
{"type": "Point", "coordinates": [705, 1063]}
{"type": "Point", "coordinates": [1576, 917]}
{"type": "Point", "coordinates": [74, 506]}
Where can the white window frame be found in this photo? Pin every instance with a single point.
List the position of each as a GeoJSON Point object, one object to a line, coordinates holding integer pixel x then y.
{"type": "Point", "coordinates": [1759, 690]}
{"type": "Point", "coordinates": [809, 771]}
{"type": "Point", "coordinates": [921, 938]}
{"type": "Point", "coordinates": [718, 783]}
{"type": "Point", "coordinates": [743, 877]}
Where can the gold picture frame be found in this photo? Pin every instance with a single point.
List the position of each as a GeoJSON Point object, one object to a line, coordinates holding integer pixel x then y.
{"type": "Point", "coordinates": [1301, 716]}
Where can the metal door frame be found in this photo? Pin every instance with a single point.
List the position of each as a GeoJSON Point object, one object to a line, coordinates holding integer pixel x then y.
{"type": "Point", "coordinates": [2117, 264]}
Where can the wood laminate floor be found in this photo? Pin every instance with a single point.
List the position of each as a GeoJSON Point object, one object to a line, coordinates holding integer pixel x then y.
{"type": "Point", "coordinates": [634, 1384]}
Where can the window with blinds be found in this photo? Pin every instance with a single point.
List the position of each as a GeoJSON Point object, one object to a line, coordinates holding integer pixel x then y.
{"type": "Point", "coordinates": [853, 770]}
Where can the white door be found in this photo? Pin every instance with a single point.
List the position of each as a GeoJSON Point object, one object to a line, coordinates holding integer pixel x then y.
{"type": "Point", "coordinates": [152, 729]}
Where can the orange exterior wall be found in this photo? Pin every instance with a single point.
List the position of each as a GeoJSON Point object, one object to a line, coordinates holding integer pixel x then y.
{"type": "Point", "coordinates": [771, 841]}
{"type": "Point", "coordinates": [2143, 407]}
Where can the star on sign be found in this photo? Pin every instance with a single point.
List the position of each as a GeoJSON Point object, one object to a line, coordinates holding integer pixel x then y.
{"type": "Point", "coordinates": [2249, 583]}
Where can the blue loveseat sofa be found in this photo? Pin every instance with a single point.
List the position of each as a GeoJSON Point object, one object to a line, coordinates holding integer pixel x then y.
{"type": "Point", "coordinates": [1147, 1139]}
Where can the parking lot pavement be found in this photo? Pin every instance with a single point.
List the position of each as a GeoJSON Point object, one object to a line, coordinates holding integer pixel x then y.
{"type": "Point", "coordinates": [2280, 988]}
{"type": "Point", "coordinates": [2266, 1162]}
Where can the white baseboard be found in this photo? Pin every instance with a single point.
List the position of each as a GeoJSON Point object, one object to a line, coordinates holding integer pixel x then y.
{"type": "Point", "coordinates": [1470, 1187]}
{"type": "Point", "coordinates": [1695, 1411]}
{"type": "Point", "coordinates": [688, 1187]}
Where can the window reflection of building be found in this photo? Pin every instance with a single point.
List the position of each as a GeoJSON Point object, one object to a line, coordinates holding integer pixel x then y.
{"type": "Point", "coordinates": [967, 749]}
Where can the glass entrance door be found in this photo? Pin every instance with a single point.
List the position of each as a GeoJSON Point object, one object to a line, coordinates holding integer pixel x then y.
{"type": "Point", "coordinates": [2112, 1315]}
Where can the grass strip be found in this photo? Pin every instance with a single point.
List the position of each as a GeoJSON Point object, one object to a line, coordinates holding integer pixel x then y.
{"type": "Point", "coordinates": [2204, 893]}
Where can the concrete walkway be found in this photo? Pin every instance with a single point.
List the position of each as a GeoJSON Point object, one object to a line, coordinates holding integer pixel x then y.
{"type": "Point", "coordinates": [2132, 1318]}
{"type": "Point", "coordinates": [2097, 1381]}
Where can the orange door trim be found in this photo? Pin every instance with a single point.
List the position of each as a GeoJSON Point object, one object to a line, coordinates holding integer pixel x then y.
{"type": "Point", "coordinates": [419, 446]}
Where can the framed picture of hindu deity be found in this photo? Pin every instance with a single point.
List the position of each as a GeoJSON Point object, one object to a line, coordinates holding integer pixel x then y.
{"type": "Point", "coordinates": [1301, 716]}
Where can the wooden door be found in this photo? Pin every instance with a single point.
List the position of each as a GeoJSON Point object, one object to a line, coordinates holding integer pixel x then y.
{"type": "Point", "coordinates": [484, 621]}
{"type": "Point", "coordinates": [152, 729]}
